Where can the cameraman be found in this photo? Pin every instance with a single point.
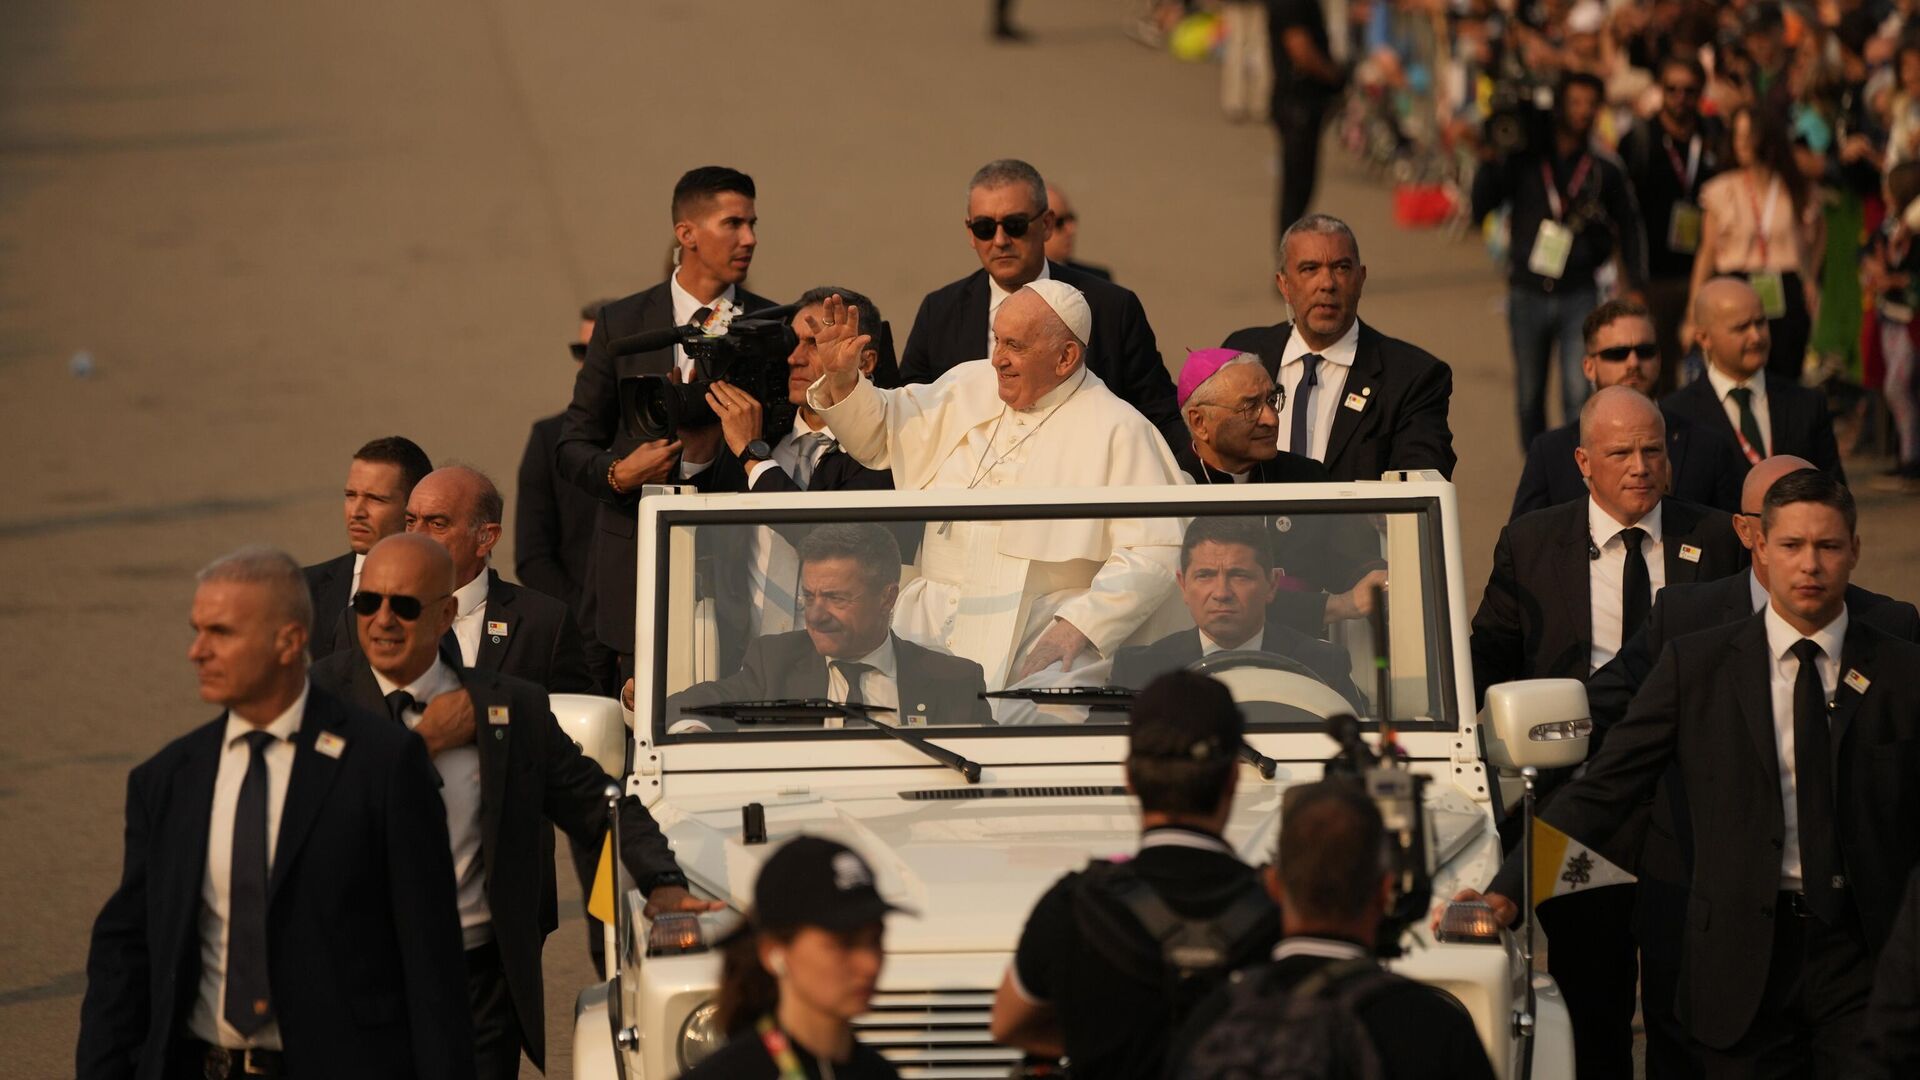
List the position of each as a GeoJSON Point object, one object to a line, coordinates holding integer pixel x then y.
{"type": "Point", "coordinates": [1572, 212]}
{"type": "Point", "coordinates": [1089, 979]}
{"type": "Point", "coordinates": [713, 223]}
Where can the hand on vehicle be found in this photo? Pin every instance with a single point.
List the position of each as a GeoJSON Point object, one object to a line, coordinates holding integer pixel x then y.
{"type": "Point", "coordinates": [671, 898]}
{"type": "Point", "coordinates": [1357, 602]}
{"type": "Point", "coordinates": [446, 722]}
{"type": "Point", "coordinates": [1060, 643]}
{"type": "Point", "coordinates": [626, 695]}
{"type": "Point", "coordinates": [739, 413]}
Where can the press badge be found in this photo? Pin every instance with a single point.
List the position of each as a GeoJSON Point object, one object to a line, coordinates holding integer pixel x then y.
{"type": "Point", "coordinates": [1551, 247]}
{"type": "Point", "coordinates": [1772, 291]}
{"type": "Point", "coordinates": [330, 744]}
{"type": "Point", "coordinates": [1857, 681]}
{"type": "Point", "coordinates": [1683, 228]}
{"type": "Point", "coordinates": [497, 714]}
{"type": "Point", "coordinates": [1689, 553]}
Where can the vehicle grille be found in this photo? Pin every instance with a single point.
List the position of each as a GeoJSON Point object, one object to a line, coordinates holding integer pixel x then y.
{"type": "Point", "coordinates": [1057, 792]}
{"type": "Point", "coordinates": [936, 1033]}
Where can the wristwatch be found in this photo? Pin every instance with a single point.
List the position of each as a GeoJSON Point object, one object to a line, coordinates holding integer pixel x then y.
{"type": "Point", "coordinates": [756, 451]}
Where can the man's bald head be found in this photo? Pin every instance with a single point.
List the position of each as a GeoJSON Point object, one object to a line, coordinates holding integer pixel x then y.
{"type": "Point", "coordinates": [461, 509]}
{"type": "Point", "coordinates": [402, 571]}
{"type": "Point", "coordinates": [412, 561]}
{"type": "Point", "coordinates": [1616, 406]}
{"type": "Point", "coordinates": [1623, 453]}
{"type": "Point", "coordinates": [1730, 325]}
{"type": "Point", "coordinates": [1753, 497]}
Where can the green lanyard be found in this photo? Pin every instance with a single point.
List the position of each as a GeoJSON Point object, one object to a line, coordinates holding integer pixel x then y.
{"type": "Point", "coordinates": [781, 1051]}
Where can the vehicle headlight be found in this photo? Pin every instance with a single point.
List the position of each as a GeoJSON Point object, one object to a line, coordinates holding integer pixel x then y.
{"type": "Point", "coordinates": [700, 1035]}
{"type": "Point", "coordinates": [1470, 921]}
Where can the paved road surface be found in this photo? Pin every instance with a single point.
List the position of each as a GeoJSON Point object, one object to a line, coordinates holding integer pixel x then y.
{"type": "Point", "coordinates": [281, 230]}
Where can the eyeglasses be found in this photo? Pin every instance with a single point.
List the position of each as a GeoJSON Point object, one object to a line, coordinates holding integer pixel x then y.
{"type": "Point", "coordinates": [406, 608]}
{"type": "Point", "coordinates": [1250, 408]}
{"type": "Point", "coordinates": [1645, 350]}
{"type": "Point", "coordinates": [1016, 225]}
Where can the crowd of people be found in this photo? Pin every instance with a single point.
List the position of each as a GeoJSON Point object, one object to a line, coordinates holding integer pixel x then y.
{"type": "Point", "coordinates": [345, 873]}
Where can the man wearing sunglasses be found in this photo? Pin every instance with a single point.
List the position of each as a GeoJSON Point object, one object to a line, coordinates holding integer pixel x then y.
{"type": "Point", "coordinates": [1667, 161]}
{"type": "Point", "coordinates": [1622, 351]}
{"type": "Point", "coordinates": [1009, 223]}
{"type": "Point", "coordinates": [503, 779]}
{"type": "Point", "coordinates": [553, 525]}
{"type": "Point", "coordinates": [1061, 246]}
{"type": "Point", "coordinates": [379, 479]}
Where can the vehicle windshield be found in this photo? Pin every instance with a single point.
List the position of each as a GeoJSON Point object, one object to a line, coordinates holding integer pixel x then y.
{"type": "Point", "coordinates": [1007, 619]}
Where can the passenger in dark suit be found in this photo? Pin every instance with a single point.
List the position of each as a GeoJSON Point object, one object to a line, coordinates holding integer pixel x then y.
{"type": "Point", "coordinates": [503, 781]}
{"type": "Point", "coordinates": [379, 479]}
{"type": "Point", "coordinates": [1329, 566]}
{"type": "Point", "coordinates": [1801, 706]}
{"type": "Point", "coordinates": [1761, 414]}
{"type": "Point", "coordinates": [553, 525]}
{"type": "Point", "coordinates": [849, 579]}
{"type": "Point", "coordinates": [1665, 848]}
{"type": "Point", "coordinates": [1623, 350]}
{"type": "Point", "coordinates": [713, 222]}
{"type": "Point", "coordinates": [220, 948]}
{"type": "Point", "coordinates": [1357, 400]}
{"type": "Point", "coordinates": [1008, 200]}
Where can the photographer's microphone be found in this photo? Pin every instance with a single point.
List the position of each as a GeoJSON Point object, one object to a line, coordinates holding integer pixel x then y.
{"type": "Point", "coordinates": [647, 341]}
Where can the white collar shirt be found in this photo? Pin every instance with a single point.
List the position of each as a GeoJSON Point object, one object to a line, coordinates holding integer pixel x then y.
{"type": "Point", "coordinates": [1208, 646]}
{"type": "Point", "coordinates": [1181, 836]}
{"type": "Point", "coordinates": [359, 560]}
{"type": "Point", "coordinates": [207, 1018]}
{"type": "Point", "coordinates": [1784, 669]}
{"type": "Point", "coordinates": [1324, 948]}
{"type": "Point", "coordinates": [1606, 576]}
{"type": "Point", "coordinates": [997, 296]}
{"type": "Point", "coordinates": [471, 615]}
{"type": "Point", "coordinates": [1723, 384]}
{"type": "Point", "coordinates": [685, 307]}
{"type": "Point", "coordinates": [879, 685]}
{"type": "Point", "coordinates": [459, 769]}
{"type": "Point", "coordinates": [1330, 387]}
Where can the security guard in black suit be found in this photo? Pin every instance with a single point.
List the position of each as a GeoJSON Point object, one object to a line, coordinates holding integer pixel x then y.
{"type": "Point", "coordinates": [379, 479]}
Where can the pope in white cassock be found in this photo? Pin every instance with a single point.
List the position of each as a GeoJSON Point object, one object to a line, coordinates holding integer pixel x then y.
{"type": "Point", "coordinates": [1019, 596]}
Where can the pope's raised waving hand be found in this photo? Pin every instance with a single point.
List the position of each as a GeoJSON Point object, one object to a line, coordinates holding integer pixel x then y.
{"type": "Point", "coordinates": [838, 343]}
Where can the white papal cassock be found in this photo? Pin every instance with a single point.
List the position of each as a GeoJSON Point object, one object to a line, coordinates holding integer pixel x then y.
{"type": "Point", "coordinates": [986, 590]}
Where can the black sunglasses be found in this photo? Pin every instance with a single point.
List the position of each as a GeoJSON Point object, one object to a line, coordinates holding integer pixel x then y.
{"type": "Point", "coordinates": [578, 349]}
{"type": "Point", "coordinates": [1645, 350]}
{"type": "Point", "coordinates": [407, 608]}
{"type": "Point", "coordinates": [1016, 225]}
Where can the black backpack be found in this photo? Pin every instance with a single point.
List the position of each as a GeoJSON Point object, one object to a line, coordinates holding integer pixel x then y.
{"type": "Point", "coordinates": [1311, 1031]}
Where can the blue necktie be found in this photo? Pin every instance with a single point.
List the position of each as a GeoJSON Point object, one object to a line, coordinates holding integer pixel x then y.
{"type": "Point", "coordinates": [1303, 404]}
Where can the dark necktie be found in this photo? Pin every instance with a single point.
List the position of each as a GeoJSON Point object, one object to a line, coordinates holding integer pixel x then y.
{"type": "Point", "coordinates": [248, 1005]}
{"type": "Point", "coordinates": [1636, 589]}
{"type": "Point", "coordinates": [398, 703]}
{"type": "Point", "coordinates": [1820, 870]}
{"type": "Point", "coordinates": [1303, 404]}
{"type": "Point", "coordinates": [1756, 447]}
{"type": "Point", "coordinates": [851, 671]}
{"type": "Point", "coordinates": [450, 645]}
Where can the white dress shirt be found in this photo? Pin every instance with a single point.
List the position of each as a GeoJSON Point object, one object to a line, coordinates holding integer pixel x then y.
{"type": "Point", "coordinates": [997, 296]}
{"type": "Point", "coordinates": [685, 306]}
{"type": "Point", "coordinates": [1208, 646]}
{"type": "Point", "coordinates": [1325, 948]}
{"type": "Point", "coordinates": [880, 686]}
{"type": "Point", "coordinates": [459, 769]}
{"type": "Point", "coordinates": [1757, 382]}
{"type": "Point", "coordinates": [1330, 387]}
{"type": "Point", "coordinates": [359, 561]}
{"type": "Point", "coordinates": [471, 616]}
{"type": "Point", "coordinates": [207, 1020]}
{"type": "Point", "coordinates": [1606, 575]}
{"type": "Point", "coordinates": [1784, 669]}
{"type": "Point", "coordinates": [773, 566]}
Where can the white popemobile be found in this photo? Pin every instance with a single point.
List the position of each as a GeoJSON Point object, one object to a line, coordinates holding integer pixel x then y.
{"type": "Point", "coordinates": [968, 822]}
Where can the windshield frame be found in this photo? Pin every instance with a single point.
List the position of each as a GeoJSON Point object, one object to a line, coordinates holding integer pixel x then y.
{"type": "Point", "coordinates": [660, 514]}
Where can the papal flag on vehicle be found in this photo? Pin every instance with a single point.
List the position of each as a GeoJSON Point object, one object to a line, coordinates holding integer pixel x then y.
{"type": "Point", "coordinates": [600, 897]}
{"type": "Point", "coordinates": [1563, 865]}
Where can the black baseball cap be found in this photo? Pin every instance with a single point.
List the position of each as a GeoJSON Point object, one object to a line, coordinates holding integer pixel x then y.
{"type": "Point", "coordinates": [1185, 716]}
{"type": "Point", "coordinates": [813, 881]}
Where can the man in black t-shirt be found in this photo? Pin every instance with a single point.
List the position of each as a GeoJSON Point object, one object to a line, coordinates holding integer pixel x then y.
{"type": "Point", "coordinates": [1305, 82]}
{"type": "Point", "coordinates": [1088, 981]}
{"type": "Point", "coordinates": [1332, 886]}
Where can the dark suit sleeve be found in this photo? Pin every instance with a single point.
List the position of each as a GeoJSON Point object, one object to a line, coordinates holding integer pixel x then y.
{"type": "Point", "coordinates": [774, 480]}
{"type": "Point", "coordinates": [1610, 690]}
{"type": "Point", "coordinates": [568, 672]}
{"type": "Point", "coordinates": [747, 684]}
{"type": "Point", "coordinates": [1893, 1013]}
{"type": "Point", "coordinates": [591, 422]}
{"type": "Point", "coordinates": [1146, 383]}
{"type": "Point", "coordinates": [1727, 467]}
{"type": "Point", "coordinates": [1823, 450]}
{"type": "Point", "coordinates": [916, 362]}
{"type": "Point", "coordinates": [425, 917]}
{"type": "Point", "coordinates": [536, 524]}
{"type": "Point", "coordinates": [575, 799]}
{"type": "Point", "coordinates": [114, 1014]}
{"type": "Point", "coordinates": [1424, 440]}
{"type": "Point", "coordinates": [1497, 645]}
{"type": "Point", "coordinates": [1533, 492]}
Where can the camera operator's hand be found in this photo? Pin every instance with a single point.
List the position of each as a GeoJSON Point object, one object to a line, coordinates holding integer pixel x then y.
{"type": "Point", "coordinates": [838, 343]}
{"type": "Point", "coordinates": [649, 463]}
{"type": "Point", "coordinates": [702, 444]}
{"type": "Point", "coordinates": [739, 412]}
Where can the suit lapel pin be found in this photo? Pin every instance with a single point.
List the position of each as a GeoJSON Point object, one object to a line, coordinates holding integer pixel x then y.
{"type": "Point", "coordinates": [1857, 681]}
{"type": "Point", "coordinates": [496, 629]}
{"type": "Point", "coordinates": [1356, 402]}
{"type": "Point", "coordinates": [330, 744]}
{"type": "Point", "coordinates": [497, 715]}
{"type": "Point", "coordinates": [499, 734]}
{"type": "Point", "coordinates": [1689, 553]}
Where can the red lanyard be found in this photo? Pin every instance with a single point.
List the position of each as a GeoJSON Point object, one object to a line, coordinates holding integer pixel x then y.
{"type": "Point", "coordinates": [1762, 219]}
{"type": "Point", "coordinates": [1554, 202]}
{"type": "Point", "coordinates": [1684, 171]}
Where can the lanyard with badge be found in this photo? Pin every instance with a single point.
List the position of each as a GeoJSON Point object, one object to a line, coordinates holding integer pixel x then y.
{"type": "Point", "coordinates": [1683, 226]}
{"type": "Point", "coordinates": [1766, 281]}
{"type": "Point", "coordinates": [781, 1051]}
{"type": "Point", "coordinates": [1553, 244]}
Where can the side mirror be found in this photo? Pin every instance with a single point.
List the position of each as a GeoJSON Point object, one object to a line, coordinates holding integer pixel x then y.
{"type": "Point", "coordinates": [1543, 723]}
{"type": "Point", "coordinates": [597, 726]}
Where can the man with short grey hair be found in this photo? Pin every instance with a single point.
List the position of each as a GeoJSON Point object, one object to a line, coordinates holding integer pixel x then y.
{"type": "Point", "coordinates": [1356, 400]}
{"type": "Point", "coordinates": [1009, 221]}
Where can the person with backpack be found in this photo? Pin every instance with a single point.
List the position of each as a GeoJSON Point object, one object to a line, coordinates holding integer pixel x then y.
{"type": "Point", "coordinates": [1323, 1008]}
{"type": "Point", "coordinates": [1113, 957]}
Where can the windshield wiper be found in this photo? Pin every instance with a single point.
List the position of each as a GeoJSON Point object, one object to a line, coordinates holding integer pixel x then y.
{"type": "Point", "coordinates": [755, 712]}
{"type": "Point", "coordinates": [1116, 699]}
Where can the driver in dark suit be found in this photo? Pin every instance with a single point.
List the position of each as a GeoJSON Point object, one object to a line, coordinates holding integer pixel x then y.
{"type": "Point", "coordinates": [1227, 578]}
{"type": "Point", "coordinates": [849, 578]}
